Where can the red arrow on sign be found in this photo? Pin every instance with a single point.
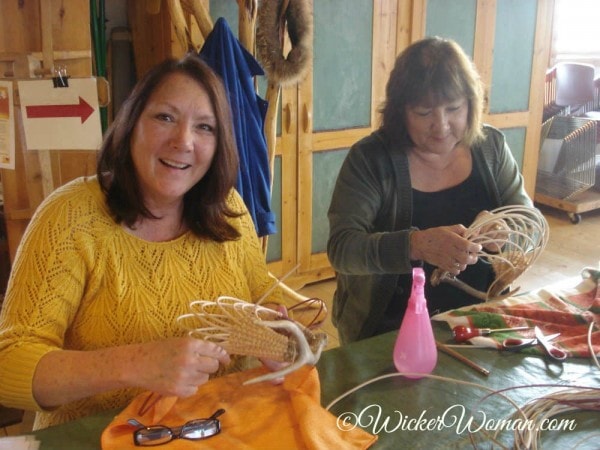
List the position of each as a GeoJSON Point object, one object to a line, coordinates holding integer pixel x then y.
{"type": "Point", "coordinates": [83, 110]}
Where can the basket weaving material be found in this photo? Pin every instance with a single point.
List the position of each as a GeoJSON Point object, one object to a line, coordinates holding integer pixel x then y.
{"type": "Point", "coordinates": [243, 328]}
{"type": "Point", "coordinates": [519, 234]}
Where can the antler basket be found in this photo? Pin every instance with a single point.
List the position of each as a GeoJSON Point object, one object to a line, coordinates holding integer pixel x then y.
{"type": "Point", "coordinates": [519, 233]}
{"type": "Point", "coordinates": [243, 328]}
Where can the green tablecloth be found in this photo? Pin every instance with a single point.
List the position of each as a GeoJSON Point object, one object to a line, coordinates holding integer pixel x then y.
{"type": "Point", "coordinates": [399, 399]}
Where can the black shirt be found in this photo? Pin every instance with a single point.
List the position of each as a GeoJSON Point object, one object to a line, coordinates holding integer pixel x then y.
{"type": "Point", "coordinates": [457, 205]}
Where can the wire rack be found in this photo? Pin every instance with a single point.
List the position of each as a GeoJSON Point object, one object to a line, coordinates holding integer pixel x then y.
{"type": "Point", "coordinates": [567, 157]}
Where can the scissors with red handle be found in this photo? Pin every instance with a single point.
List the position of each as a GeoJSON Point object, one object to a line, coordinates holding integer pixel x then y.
{"type": "Point", "coordinates": [539, 339]}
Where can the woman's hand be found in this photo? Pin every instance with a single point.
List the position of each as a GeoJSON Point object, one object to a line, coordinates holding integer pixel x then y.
{"type": "Point", "coordinates": [177, 366]}
{"type": "Point", "coordinates": [444, 247]}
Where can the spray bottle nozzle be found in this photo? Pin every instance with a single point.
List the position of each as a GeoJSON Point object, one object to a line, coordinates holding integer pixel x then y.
{"type": "Point", "coordinates": [417, 297]}
{"type": "Point", "coordinates": [418, 276]}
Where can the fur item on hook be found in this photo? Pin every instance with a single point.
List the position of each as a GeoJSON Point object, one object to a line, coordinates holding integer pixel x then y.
{"type": "Point", "coordinates": [272, 18]}
{"type": "Point", "coordinates": [243, 328]}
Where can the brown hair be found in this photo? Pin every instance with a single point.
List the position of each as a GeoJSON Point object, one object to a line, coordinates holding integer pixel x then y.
{"type": "Point", "coordinates": [205, 209]}
{"type": "Point", "coordinates": [434, 69]}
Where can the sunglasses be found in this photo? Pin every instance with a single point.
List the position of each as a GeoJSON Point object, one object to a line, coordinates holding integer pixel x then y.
{"type": "Point", "coordinates": [160, 434]}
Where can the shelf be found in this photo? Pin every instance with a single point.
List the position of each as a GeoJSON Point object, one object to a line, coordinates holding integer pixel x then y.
{"type": "Point", "coordinates": [583, 202]}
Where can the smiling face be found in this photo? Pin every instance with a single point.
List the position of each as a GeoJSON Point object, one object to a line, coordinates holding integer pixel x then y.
{"type": "Point", "coordinates": [174, 141]}
{"type": "Point", "coordinates": [437, 128]}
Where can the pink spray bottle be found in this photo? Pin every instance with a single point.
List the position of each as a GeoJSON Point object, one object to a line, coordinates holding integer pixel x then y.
{"type": "Point", "coordinates": [415, 350]}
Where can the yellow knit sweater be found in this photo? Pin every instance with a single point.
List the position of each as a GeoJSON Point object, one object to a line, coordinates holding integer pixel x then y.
{"type": "Point", "coordinates": [81, 282]}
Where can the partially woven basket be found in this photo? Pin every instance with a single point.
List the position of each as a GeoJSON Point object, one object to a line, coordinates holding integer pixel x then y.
{"type": "Point", "coordinates": [243, 328]}
{"type": "Point", "coordinates": [520, 235]}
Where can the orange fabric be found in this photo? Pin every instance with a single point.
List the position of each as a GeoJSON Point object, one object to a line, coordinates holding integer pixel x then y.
{"type": "Point", "coordinates": [258, 416]}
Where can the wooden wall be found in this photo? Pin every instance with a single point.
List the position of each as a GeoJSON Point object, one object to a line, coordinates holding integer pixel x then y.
{"type": "Point", "coordinates": [308, 148]}
{"type": "Point", "coordinates": [39, 34]}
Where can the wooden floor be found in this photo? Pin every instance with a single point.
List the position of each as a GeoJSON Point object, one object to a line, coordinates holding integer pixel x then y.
{"type": "Point", "coordinates": [570, 249]}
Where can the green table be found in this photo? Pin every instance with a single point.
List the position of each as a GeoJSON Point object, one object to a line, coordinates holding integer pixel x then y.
{"type": "Point", "coordinates": [423, 400]}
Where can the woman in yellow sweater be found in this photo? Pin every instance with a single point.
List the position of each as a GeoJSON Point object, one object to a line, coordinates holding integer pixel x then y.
{"type": "Point", "coordinates": [109, 262]}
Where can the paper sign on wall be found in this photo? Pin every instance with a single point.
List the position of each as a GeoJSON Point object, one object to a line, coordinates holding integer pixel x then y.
{"type": "Point", "coordinates": [7, 126]}
{"type": "Point", "coordinates": [60, 118]}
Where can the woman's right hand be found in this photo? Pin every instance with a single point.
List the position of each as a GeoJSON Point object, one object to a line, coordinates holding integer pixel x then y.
{"type": "Point", "coordinates": [176, 366]}
{"type": "Point", "coordinates": [444, 247]}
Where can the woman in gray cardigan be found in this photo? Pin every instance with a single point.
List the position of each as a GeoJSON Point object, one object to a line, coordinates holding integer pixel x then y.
{"type": "Point", "coordinates": [406, 193]}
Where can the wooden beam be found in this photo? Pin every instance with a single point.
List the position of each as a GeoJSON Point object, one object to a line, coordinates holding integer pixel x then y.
{"type": "Point", "coordinates": [47, 40]}
{"type": "Point", "coordinates": [403, 25]}
{"type": "Point", "coordinates": [541, 54]}
{"type": "Point", "coordinates": [247, 10]}
{"type": "Point", "coordinates": [47, 179]}
{"type": "Point", "coordinates": [519, 119]}
{"type": "Point", "coordinates": [483, 57]}
{"type": "Point", "coordinates": [418, 20]}
{"type": "Point", "coordinates": [385, 14]}
{"type": "Point", "coordinates": [288, 144]}
{"type": "Point", "coordinates": [327, 140]}
{"type": "Point", "coordinates": [179, 24]}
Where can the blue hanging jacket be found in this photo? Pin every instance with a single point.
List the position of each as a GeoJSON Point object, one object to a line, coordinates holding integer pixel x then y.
{"type": "Point", "coordinates": [226, 56]}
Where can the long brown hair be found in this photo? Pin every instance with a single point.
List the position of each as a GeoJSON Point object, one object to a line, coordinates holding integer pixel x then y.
{"type": "Point", "coordinates": [432, 69]}
{"type": "Point", "coordinates": [205, 209]}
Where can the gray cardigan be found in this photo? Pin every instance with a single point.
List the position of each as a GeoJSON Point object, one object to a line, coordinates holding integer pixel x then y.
{"type": "Point", "coordinates": [370, 223]}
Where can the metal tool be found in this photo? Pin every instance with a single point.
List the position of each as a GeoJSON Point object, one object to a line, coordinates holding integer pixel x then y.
{"type": "Point", "coordinates": [462, 333]}
{"type": "Point", "coordinates": [520, 343]}
{"type": "Point", "coordinates": [554, 352]}
{"type": "Point", "coordinates": [515, 344]}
